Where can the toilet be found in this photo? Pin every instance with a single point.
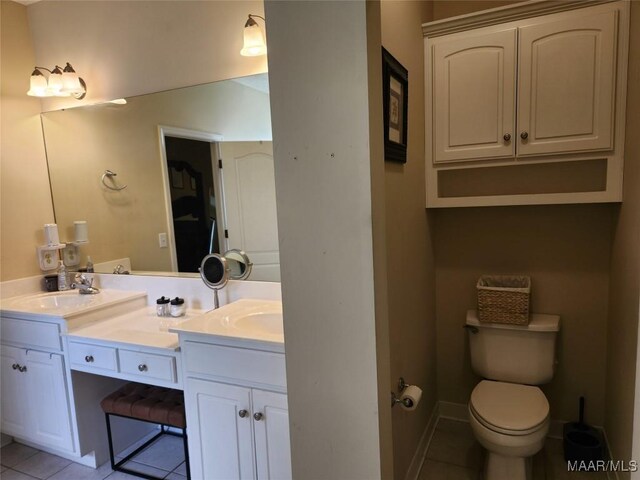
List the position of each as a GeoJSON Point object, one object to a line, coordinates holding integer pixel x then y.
{"type": "Point", "coordinates": [508, 413]}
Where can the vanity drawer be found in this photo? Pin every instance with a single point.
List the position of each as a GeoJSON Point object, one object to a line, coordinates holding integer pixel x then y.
{"type": "Point", "coordinates": [149, 365]}
{"type": "Point", "coordinates": [252, 366]}
{"type": "Point", "coordinates": [92, 356]}
{"type": "Point", "coordinates": [33, 334]}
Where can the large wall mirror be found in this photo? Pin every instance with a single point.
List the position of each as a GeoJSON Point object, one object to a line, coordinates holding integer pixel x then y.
{"type": "Point", "coordinates": [167, 178]}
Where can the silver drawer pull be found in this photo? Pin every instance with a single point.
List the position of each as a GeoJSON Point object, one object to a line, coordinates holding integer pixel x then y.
{"type": "Point", "coordinates": [242, 413]}
{"type": "Point", "coordinates": [257, 416]}
{"type": "Point", "coordinates": [88, 359]}
{"type": "Point", "coordinates": [142, 367]}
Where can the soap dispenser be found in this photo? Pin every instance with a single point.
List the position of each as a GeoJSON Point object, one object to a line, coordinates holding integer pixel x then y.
{"type": "Point", "coordinates": [62, 277]}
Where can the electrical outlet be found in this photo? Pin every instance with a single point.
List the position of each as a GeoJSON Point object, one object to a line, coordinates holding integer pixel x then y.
{"type": "Point", "coordinates": [162, 240]}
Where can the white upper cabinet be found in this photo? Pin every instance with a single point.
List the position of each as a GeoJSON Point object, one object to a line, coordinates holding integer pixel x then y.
{"type": "Point", "coordinates": [474, 96]}
{"type": "Point", "coordinates": [525, 104]}
{"type": "Point", "coordinates": [566, 88]}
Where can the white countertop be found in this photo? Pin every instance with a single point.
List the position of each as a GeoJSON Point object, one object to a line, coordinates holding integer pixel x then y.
{"type": "Point", "coordinates": [140, 327]}
{"type": "Point", "coordinates": [68, 304]}
{"type": "Point", "coordinates": [245, 323]}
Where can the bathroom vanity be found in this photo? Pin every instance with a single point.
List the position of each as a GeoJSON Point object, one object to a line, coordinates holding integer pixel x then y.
{"type": "Point", "coordinates": [63, 352]}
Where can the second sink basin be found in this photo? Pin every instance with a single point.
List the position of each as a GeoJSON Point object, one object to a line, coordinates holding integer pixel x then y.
{"type": "Point", "coordinates": [269, 323]}
{"type": "Point", "coordinates": [56, 300]}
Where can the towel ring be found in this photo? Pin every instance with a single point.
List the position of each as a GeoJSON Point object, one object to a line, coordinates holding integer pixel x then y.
{"type": "Point", "coordinates": [110, 174]}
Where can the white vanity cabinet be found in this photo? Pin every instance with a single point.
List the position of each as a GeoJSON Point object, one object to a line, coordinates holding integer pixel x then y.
{"type": "Point", "coordinates": [237, 413]}
{"type": "Point", "coordinates": [35, 398]}
{"type": "Point", "coordinates": [526, 112]}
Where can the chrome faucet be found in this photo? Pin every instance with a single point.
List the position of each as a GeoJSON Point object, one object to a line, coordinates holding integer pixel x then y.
{"type": "Point", "coordinates": [119, 270]}
{"type": "Point", "coordinates": [84, 285]}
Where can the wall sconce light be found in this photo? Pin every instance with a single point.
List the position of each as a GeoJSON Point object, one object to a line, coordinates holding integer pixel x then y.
{"type": "Point", "coordinates": [61, 83]}
{"type": "Point", "coordinates": [254, 44]}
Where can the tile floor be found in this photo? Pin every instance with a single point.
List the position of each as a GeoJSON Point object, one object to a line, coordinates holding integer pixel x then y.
{"type": "Point", "coordinates": [454, 454]}
{"type": "Point", "coordinates": [164, 458]}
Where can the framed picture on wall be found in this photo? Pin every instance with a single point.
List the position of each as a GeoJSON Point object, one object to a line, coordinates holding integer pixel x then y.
{"type": "Point", "coordinates": [395, 90]}
{"type": "Point", "coordinates": [177, 180]}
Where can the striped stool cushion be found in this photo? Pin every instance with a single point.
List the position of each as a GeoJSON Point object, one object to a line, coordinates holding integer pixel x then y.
{"type": "Point", "coordinates": [149, 403]}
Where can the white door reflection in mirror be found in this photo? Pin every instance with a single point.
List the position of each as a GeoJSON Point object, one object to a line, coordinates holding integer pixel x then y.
{"type": "Point", "coordinates": [250, 205]}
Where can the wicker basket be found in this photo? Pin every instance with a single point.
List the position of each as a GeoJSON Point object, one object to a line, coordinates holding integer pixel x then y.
{"type": "Point", "coordinates": [504, 299]}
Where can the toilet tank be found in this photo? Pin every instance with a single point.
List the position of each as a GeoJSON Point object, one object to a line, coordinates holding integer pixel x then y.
{"type": "Point", "coordinates": [514, 353]}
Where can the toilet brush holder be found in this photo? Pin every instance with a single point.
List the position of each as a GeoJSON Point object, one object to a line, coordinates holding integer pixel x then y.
{"type": "Point", "coordinates": [582, 443]}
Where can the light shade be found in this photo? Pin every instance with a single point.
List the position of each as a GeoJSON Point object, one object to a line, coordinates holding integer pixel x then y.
{"type": "Point", "coordinates": [38, 85]}
{"type": "Point", "coordinates": [254, 44]}
{"type": "Point", "coordinates": [60, 83]}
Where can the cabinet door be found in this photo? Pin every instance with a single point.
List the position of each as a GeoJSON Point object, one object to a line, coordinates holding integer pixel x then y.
{"type": "Point", "coordinates": [473, 96]}
{"type": "Point", "coordinates": [48, 400]}
{"type": "Point", "coordinates": [219, 430]}
{"type": "Point", "coordinates": [567, 84]}
{"type": "Point", "coordinates": [273, 450]}
{"type": "Point", "coordinates": [14, 419]}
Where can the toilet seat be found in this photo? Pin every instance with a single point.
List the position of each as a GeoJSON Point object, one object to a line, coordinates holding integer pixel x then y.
{"type": "Point", "coordinates": [509, 408]}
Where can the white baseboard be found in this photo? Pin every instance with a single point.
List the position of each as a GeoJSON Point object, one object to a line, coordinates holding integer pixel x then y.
{"type": "Point", "coordinates": [423, 446]}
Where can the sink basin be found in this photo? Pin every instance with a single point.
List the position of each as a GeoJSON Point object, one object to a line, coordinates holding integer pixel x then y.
{"type": "Point", "coordinates": [238, 322]}
{"type": "Point", "coordinates": [260, 322]}
{"type": "Point", "coordinates": [56, 300]}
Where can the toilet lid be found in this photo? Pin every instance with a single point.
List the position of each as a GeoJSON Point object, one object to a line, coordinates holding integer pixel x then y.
{"type": "Point", "coordinates": [509, 406]}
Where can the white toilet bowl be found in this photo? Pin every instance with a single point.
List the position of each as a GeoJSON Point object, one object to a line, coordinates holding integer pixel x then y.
{"type": "Point", "coordinates": [511, 422]}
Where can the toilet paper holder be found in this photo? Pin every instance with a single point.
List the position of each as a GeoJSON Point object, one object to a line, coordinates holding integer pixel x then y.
{"type": "Point", "coordinates": [395, 399]}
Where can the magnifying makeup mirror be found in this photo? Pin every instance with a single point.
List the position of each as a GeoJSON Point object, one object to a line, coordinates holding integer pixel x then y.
{"type": "Point", "coordinates": [238, 263]}
{"type": "Point", "coordinates": [214, 271]}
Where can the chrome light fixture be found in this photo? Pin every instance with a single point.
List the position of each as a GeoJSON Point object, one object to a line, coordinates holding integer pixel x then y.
{"type": "Point", "coordinates": [254, 44]}
{"type": "Point", "coordinates": [61, 83]}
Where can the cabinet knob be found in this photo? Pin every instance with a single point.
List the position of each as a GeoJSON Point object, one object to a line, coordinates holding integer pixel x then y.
{"type": "Point", "coordinates": [142, 367]}
{"type": "Point", "coordinates": [22, 369]}
{"type": "Point", "coordinates": [88, 359]}
{"type": "Point", "coordinates": [242, 413]}
{"type": "Point", "coordinates": [524, 135]}
{"type": "Point", "coordinates": [507, 137]}
{"type": "Point", "coordinates": [15, 366]}
{"type": "Point", "coordinates": [257, 416]}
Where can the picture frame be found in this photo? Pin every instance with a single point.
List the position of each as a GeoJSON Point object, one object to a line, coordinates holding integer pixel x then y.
{"type": "Point", "coordinates": [395, 98]}
{"type": "Point", "coordinates": [177, 180]}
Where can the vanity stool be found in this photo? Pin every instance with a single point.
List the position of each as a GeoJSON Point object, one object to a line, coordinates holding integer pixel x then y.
{"type": "Point", "coordinates": [147, 403]}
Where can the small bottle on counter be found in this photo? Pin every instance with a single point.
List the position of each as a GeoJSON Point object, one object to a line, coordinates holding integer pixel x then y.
{"type": "Point", "coordinates": [89, 265]}
{"type": "Point", "coordinates": [163, 307]}
{"type": "Point", "coordinates": [178, 308]}
{"type": "Point", "coordinates": [62, 277]}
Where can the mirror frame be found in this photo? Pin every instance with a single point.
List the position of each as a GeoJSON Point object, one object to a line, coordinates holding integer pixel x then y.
{"type": "Point", "coordinates": [245, 258]}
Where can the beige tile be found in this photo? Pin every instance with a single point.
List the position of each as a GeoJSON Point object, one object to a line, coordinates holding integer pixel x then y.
{"type": "Point", "coordinates": [175, 476]}
{"type": "Point", "coordinates": [42, 465]}
{"type": "Point", "coordinates": [453, 442]}
{"type": "Point", "coordinates": [9, 474]}
{"type": "Point", "coordinates": [142, 468]}
{"type": "Point", "coordinates": [166, 453]}
{"type": "Point", "coordinates": [445, 471]}
{"type": "Point", "coordinates": [76, 471]}
{"type": "Point", "coordinates": [182, 469]}
{"type": "Point", "coordinates": [15, 453]}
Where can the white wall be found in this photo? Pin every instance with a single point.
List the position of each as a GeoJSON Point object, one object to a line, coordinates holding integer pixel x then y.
{"type": "Point", "coordinates": [327, 163]}
{"type": "Point", "coordinates": [131, 47]}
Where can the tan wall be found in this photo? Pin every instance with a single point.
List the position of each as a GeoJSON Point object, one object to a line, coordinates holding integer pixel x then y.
{"type": "Point", "coordinates": [24, 186]}
{"type": "Point", "coordinates": [410, 268]}
{"type": "Point", "coordinates": [132, 47]}
{"type": "Point", "coordinates": [565, 249]}
{"type": "Point", "coordinates": [622, 329]}
{"type": "Point", "coordinates": [452, 8]}
{"type": "Point", "coordinates": [84, 142]}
